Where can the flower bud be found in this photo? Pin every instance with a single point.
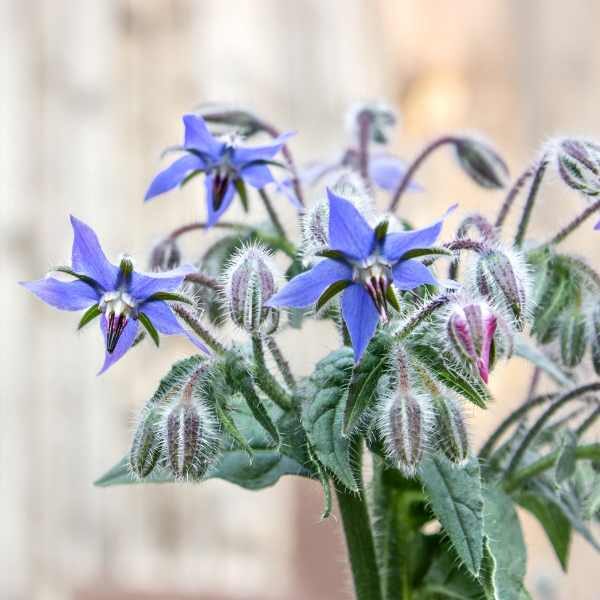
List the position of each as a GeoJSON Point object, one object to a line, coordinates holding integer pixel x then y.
{"type": "Point", "coordinates": [578, 164]}
{"type": "Point", "coordinates": [189, 437]}
{"type": "Point", "coordinates": [573, 338]}
{"type": "Point", "coordinates": [165, 255]}
{"type": "Point", "coordinates": [403, 422]}
{"type": "Point", "coordinates": [381, 118]}
{"type": "Point", "coordinates": [595, 331]}
{"type": "Point", "coordinates": [481, 162]}
{"type": "Point", "coordinates": [248, 284]}
{"type": "Point", "coordinates": [502, 278]}
{"type": "Point", "coordinates": [452, 430]}
{"type": "Point", "coordinates": [145, 447]}
{"type": "Point", "coordinates": [471, 330]}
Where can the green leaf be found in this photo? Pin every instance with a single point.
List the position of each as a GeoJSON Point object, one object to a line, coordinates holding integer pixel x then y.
{"type": "Point", "coordinates": [456, 500]}
{"type": "Point", "coordinates": [260, 413]}
{"type": "Point", "coordinates": [504, 547]}
{"type": "Point", "coordinates": [567, 460]}
{"type": "Point", "coordinates": [230, 428]}
{"type": "Point", "coordinates": [333, 254]}
{"type": "Point", "coordinates": [171, 296]}
{"type": "Point", "coordinates": [240, 187]}
{"type": "Point", "coordinates": [451, 375]}
{"type": "Point", "coordinates": [365, 377]}
{"type": "Point", "coordinates": [421, 252]}
{"type": "Point", "coordinates": [539, 359]}
{"type": "Point", "coordinates": [555, 524]}
{"type": "Point", "coordinates": [323, 414]}
{"type": "Point", "coordinates": [90, 314]}
{"type": "Point", "coordinates": [80, 276]}
{"type": "Point", "coordinates": [147, 323]}
{"type": "Point", "coordinates": [330, 292]}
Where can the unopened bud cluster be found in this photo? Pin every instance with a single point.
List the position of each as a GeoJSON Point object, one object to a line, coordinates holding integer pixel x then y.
{"type": "Point", "coordinates": [578, 163]}
{"type": "Point", "coordinates": [248, 284]}
{"type": "Point", "coordinates": [179, 433]}
{"type": "Point", "coordinates": [165, 255]}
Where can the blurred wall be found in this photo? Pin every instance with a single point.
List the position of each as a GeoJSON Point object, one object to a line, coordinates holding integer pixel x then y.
{"type": "Point", "coordinates": [91, 91]}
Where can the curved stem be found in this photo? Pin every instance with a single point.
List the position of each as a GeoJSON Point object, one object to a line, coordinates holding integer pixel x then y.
{"type": "Point", "coordinates": [365, 122]}
{"type": "Point", "coordinates": [588, 422]}
{"type": "Point", "coordinates": [588, 452]}
{"type": "Point", "coordinates": [203, 279]}
{"type": "Point", "coordinates": [265, 381]}
{"type": "Point", "coordinates": [417, 162]}
{"type": "Point", "coordinates": [508, 421]}
{"type": "Point", "coordinates": [199, 329]}
{"type": "Point", "coordinates": [574, 224]}
{"type": "Point", "coordinates": [512, 194]}
{"type": "Point", "coordinates": [537, 427]}
{"type": "Point", "coordinates": [529, 203]}
{"type": "Point", "coordinates": [202, 225]}
{"type": "Point", "coordinates": [282, 363]}
{"type": "Point", "coordinates": [359, 541]}
{"type": "Point", "coordinates": [272, 214]}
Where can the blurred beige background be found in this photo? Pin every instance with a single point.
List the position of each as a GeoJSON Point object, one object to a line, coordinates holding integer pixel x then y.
{"type": "Point", "coordinates": [91, 91]}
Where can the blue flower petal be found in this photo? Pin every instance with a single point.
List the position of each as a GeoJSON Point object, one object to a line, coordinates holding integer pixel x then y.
{"type": "Point", "coordinates": [349, 233]}
{"type": "Point", "coordinates": [198, 137]}
{"type": "Point", "coordinates": [162, 317]}
{"type": "Point", "coordinates": [257, 175]}
{"type": "Point", "coordinates": [173, 175]}
{"type": "Point", "coordinates": [144, 285]}
{"type": "Point", "coordinates": [360, 316]}
{"type": "Point", "coordinates": [125, 341]}
{"type": "Point", "coordinates": [246, 154]}
{"type": "Point", "coordinates": [397, 244]}
{"type": "Point", "coordinates": [409, 274]}
{"type": "Point", "coordinates": [304, 289]}
{"type": "Point", "coordinates": [65, 295]}
{"type": "Point", "coordinates": [387, 172]}
{"type": "Point", "coordinates": [87, 257]}
{"type": "Point", "coordinates": [212, 215]}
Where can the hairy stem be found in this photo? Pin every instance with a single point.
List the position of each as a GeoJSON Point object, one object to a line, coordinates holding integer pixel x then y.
{"type": "Point", "coordinates": [417, 162]}
{"type": "Point", "coordinates": [203, 279]}
{"type": "Point", "coordinates": [574, 224]}
{"type": "Point", "coordinates": [588, 422]}
{"type": "Point", "coordinates": [265, 381]}
{"type": "Point", "coordinates": [588, 452]}
{"type": "Point", "coordinates": [199, 329]}
{"type": "Point", "coordinates": [425, 312]}
{"type": "Point", "coordinates": [359, 540]}
{"type": "Point", "coordinates": [195, 226]}
{"type": "Point", "coordinates": [272, 214]}
{"type": "Point", "coordinates": [539, 424]}
{"type": "Point", "coordinates": [511, 196]}
{"type": "Point", "coordinates": [282, 364]}
{"type": "Point", "coordinates": [530, 202]}
{"type": "Point", "coordinates": [365, 122]}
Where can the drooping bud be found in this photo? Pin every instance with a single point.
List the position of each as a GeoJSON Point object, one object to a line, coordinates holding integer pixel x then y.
{"type": "Point", "coordinates": [381, 119]}
{"type": "Point", "coordinates": [145, 447]}
{"type": "Point", "coordinates": [502, 278]}
{"type": "Point", "coordinates": [573, 338]}
{"type": "Point", "coordinates": [249, 282]}
{"type": "Point", "coordinates": [595, 334]}
{"type": "Point", "coordinates": [189, 432]}
{"type": "Point", "coordinates": [471, 331]}
{"type": "Point", "coordinates": [481, 162]}
{"type": "Point", "coordinates": [165, 255]}
{"type": "Point", "coordinates": [578, 163]}
{"type": "Point", "coordinates": [452, 430]}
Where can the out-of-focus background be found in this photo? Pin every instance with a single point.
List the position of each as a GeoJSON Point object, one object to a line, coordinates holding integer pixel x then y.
{"type": "Point", "coordinates": [91, 91]}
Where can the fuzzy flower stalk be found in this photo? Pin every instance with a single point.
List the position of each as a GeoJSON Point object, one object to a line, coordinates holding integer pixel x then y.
{"type": "Point", "coordinates": [122, 297]}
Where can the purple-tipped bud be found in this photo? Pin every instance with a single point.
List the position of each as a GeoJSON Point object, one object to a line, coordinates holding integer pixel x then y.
{"type": "Point", "coordinates": [452, 430]}
{"type": "Point", "coordinates": [501, 278]}
{"type": "Point", "coordinates": [165, 255]}
{"type": "Point", "coordinates": [145, 447]}
{"type": "Point", "coordinates": [380, 119]}
{"type": "Point", "coordinates": [471, 330]}
{"type": "Point", "coordinates": [578, 163]}
{"type": "Point", "coordinates": [482, 163]}
{"type": "Point", "coordinates": [315, 229]}
{"type": "Point", "coordinates": [249, 283]}
{"type": "Point", "coordinates": [403, 422]}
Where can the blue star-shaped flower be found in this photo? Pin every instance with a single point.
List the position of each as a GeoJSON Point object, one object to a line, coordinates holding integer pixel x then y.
{"type": "Point", "coordinates": [365, 263]}
{"type": "Point", "coordinates": [224, 162]}
{"type": "Point", "coordinates": [121, 296]}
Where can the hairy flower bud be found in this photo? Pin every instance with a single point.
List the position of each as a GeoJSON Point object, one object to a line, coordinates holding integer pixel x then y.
{"type": "Point", "coordinates": [451, 427]}
{"type": "Point", "coordinates": [145, 447]}
{"type": "Point", "coordinates": [595, 335]}
{"type": "Point", "coordinates": [165, 255]}
{"type": "Point", "coordinates": [502, 278]}
{"type": "Point", "coordinates": [381, 118]}
{"type": "Point", "coordinates": [403, 422]}
{"type": "Point", "coordinates": [471, 330]}
{"type": "Point", "coordinates": [249, 282]}
{"type": "Point", "coordinates": [573, 338]}
{"type": "Point", "coordinates": [481, 162]}
{"type": "Point", "coordinates": [578, 163]}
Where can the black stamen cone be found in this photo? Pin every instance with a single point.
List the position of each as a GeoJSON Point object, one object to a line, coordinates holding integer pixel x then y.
{"type": "Point", "coordinates": [116, 325]}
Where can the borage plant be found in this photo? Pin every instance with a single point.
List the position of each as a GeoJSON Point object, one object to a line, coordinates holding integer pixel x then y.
{"type": "Point", "coordinates": [437, 519]}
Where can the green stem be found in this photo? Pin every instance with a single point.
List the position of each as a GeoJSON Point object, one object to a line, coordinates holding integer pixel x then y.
{"type": "Point", "coordinates": [199, 329]}
{"type": "Point", "coordinates": [529, 203]}
{"type": "Point", "coordinates": [588, 452]}
{"type": "Point", "coordinates": [539, 424]}
{"type": "Point", "coordinates": [422, 314]}
{"type": "Point", "coordinates": [272, 214]}
{"type": "Point", "coordinates": [282, 364]}
{"type": "Point", "coordinates": [512, 194]}
{"type": "Point", "coordinates": [574, 224]}
{"type": "Point", "coordinates": [265, 381]}
{"type": "Point", "coordinates": [588, 422]}
{"type": "Point", "coordinates": [417, 162]}
{"type": "Point", "coordinates": [359, 541]}
{"type": "Point", "coordinates": [204, 280]}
